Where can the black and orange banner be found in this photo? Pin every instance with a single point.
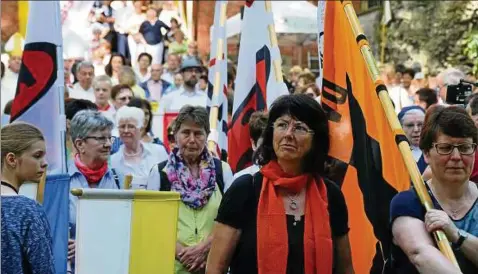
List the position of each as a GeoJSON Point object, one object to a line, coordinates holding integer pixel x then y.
{"type": "Point", "coordinates": [364, 158]}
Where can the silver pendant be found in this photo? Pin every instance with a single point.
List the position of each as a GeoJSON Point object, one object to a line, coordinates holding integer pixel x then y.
{"type": "Point", "coordinates": [295, 223]}
{"type": "Point", "coordinates": [293, 205]}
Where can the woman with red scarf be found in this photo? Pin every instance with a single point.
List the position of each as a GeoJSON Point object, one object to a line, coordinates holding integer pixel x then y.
{"type": "Point", "coordinates": [287, 218]}
{"type": "Point", "coordinates": [90, 133]}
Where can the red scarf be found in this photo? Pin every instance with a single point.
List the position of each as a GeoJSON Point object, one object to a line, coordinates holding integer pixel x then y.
{"type": "Point", "coordinates": [92, 176]}
{"type": "Point", "coordinates": [272, 245]}
{"type": "Point", "coordinates": [105, 108]}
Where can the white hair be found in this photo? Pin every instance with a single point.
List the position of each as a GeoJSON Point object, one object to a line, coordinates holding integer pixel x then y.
{"type": "Point", "coordinates": [451, 76]}
{"type": "Point", "coordinates": [134, 113]}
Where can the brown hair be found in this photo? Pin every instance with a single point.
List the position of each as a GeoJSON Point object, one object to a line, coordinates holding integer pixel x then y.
{"type": "Point", "coordinates": [257, 124]}
{"type": "Point", "coordinates": [18, 137]}
{"type": "Point", "coordinates": [196, 114]}
{"type": "Point", "coordinates": [452, 121]}
{"type": "Point", "coordinates": [116, 90]}
{"type": "Point", "coordinates": [304, 89]}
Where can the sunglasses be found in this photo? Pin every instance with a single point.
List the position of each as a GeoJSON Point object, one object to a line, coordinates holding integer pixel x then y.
{"type": "Point", "coordinates": [124, 98]}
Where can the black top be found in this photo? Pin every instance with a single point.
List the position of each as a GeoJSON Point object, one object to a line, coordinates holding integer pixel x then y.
{"type": "Point", "coordinates": [408, 204]}
{"type": "Point", "coordinates": [238, 209]}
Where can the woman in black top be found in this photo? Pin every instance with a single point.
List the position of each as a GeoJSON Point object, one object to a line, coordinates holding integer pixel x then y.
{"type": "Point", "coordinates": [287, 218]}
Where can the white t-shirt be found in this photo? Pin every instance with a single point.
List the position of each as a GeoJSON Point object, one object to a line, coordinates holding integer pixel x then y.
{"type": "Point", "coordinates": [176, 100]}
{"type": "Point", "coordinates": [78, 92]}
{"type": "Point", "coordinates": [400, 98]}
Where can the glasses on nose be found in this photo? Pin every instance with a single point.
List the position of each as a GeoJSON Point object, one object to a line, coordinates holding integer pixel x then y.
{"type": "Point", "coordinates": [418, 125]}
{"type": "Point", "coordinates": [124, 98]}
{"type": "Point", "coordinates": [102, 139]}
{"type": "Point", "coordinates": [297, 129]}
{"type": "Point", "coordinates": [447, 149]}
{"type": "Point", "coordinates": [127, 126]}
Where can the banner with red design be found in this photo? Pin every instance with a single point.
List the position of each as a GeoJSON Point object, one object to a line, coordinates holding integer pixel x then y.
{"type": "Point", "coordinates": [256, 85]}
{"type": "Point", "coordinates": [39, 94]}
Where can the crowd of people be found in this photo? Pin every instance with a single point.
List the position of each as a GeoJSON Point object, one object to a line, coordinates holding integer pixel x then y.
{"type": "Point", "coordinates": [281, 215]}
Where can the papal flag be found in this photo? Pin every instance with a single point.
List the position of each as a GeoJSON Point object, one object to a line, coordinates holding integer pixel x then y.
{"type": "Point", "coordinates": [365, 160]}
{"type": "Point", "coordinates": [39, 101]}
{"type": "Point", "coordinates": [257, 81]}
{"type": "Point", "coordinates": [218, 76]}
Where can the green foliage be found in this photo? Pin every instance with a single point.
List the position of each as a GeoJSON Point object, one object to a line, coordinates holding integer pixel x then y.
{"type": "Point", "coordinates": [443, 30]}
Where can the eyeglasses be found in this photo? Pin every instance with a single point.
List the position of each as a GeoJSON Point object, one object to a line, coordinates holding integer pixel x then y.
{"type": "Point", "coordinates": [297, 128]}
{"type": "Point", "coordinates": [125, 98]}
{"type": "Point", "coordinates": [418, 125]}
{"type": "Point", "coordinates": [127, 126]}
{"type": "Point", "coordinates": [447, 149]}
{"type": "Point", "coordinates": [102, 139]}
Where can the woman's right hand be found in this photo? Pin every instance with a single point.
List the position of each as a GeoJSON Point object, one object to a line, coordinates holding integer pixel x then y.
{"type": "Point", "coordinates": [71, 249]}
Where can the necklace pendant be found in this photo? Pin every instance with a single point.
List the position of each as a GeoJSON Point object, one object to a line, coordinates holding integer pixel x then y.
{"type": "Point", "coordinates": [293, 205]}
{"type": "Point", "coordinates": [295, 223]}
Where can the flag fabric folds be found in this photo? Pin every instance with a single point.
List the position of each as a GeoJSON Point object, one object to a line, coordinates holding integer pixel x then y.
{"type": "Point", "coordinates": [39, 94]}
{"type": "Point", "coordinates": [256, 84]}
{"type": "Point", "coordinates": [218, 67]}
{"type": "Point", "coordinates": [364, 159]}
{"type": "Point", "coordinates": [56, 204]}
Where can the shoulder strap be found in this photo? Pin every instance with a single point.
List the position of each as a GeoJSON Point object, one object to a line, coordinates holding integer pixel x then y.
{"type": "Point", "coordinates": [116, 178]}
{"type": "Point", "coordinates": [165, 184]}
{"type": "Point", "coordinates": [219, 175]}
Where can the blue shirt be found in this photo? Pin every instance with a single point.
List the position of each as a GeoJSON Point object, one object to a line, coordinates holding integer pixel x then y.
{"type": "Point", "coordinates": [78, 180]}
{"type": "Point", "coordinates": [152, 33]}
{"type": "Point", "coordinates": [408, 204]}
{"type": "Point", "coordinates": [26, 237]}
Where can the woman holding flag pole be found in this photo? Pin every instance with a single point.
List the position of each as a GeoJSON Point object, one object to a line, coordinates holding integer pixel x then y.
{"type": "Point", "coordinates": [454, 196]}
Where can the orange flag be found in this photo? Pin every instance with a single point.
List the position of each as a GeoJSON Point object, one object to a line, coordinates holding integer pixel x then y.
{"type": "Point", "coordinates": [364, 157]}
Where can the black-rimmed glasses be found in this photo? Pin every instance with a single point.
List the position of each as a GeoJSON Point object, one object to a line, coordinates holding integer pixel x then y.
{"type": "Point", "coordinates": [102, 139]}
{"type": "Point", "coordinates": [447, 149]}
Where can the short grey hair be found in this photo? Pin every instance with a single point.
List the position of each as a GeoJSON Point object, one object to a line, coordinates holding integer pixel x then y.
{"type": "Point", "coordinates": [195, 114]}
{"type": "Point", "coordinates": [451, 76]}
{"type": "Point", "coordinates": [85, 64]}
{"type": "Point", "coordinates": [134, 113]}
{"type": "Point", "coordinates": [102, 78]}
{"type": "Point", "coordinates": [88, 121]}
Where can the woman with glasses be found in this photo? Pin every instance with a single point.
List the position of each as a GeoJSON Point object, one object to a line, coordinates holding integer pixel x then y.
{"type": "Point", "coordinates": [448, 141]}
{"type": "Point", "coordinates": [287, 218]}
{"type": "Point", "coordinates": [90, 133]}
{"type": "Point", "coordinates": [121, 95]}
{"type": "Point", "coordinates": [199, 178]}
{"type": "Point", "coordinates": [411, 118]}
{"type": "Point", "coordinates": [26, 237]}
{"type": "Point", "coordinates": [135, 157]}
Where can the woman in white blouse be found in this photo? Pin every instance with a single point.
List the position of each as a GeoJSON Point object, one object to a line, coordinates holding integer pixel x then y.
{"type": "Point", "coordinates": [135, 157]}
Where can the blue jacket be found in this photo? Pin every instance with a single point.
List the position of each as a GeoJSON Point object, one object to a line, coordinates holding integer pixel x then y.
{"type": "Point", "coordinates": [144, 85]}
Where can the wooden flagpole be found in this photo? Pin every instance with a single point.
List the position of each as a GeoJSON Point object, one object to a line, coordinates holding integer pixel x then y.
{"type": "Point", "coordinates": [217, 80]}
{"type": "Point", "coordinates": [403, 146]}
{"type": "Point", "coordinates": [41, 189]}
{"type": "Point", "coordinates": [273, 38]}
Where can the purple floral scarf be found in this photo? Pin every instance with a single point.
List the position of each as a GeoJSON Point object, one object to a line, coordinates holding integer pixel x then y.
{"type": "Point", "coordinates": [194, 192]}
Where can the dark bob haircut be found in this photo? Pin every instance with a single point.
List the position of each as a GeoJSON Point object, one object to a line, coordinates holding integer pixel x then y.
{"type": "Point", "coordinates": [452, 121]}
{"type": "Point", "coordinates": [143, 104]}
{"type": "Point", "coordinates": [307, 110]}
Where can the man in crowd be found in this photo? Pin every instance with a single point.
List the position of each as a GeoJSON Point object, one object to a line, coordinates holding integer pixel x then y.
{"type": "Point", "coordinates": [188, 94]}
{"type": "Point", "coordinates": [83, 88]}
{"type": "Point", "coordinates": [155, 87]}
{"type": "Point", "coordinates": [193, 51]}
{"type": "Point", "coordinates": [403, 94]}
{"type": "Point", "coordinates": [172, 69]}
{"type": "Point", "coordinates": [451, 76]}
